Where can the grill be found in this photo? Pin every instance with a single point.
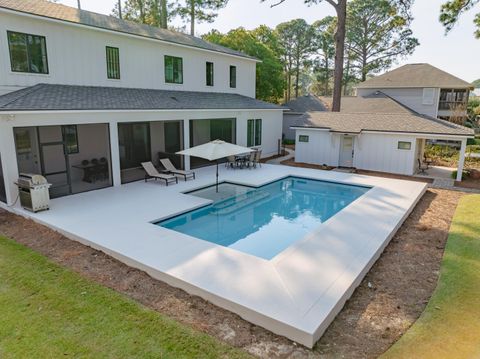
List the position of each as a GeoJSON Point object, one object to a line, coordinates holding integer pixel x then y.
{"type": "Point", "coordinates": [33, 192]}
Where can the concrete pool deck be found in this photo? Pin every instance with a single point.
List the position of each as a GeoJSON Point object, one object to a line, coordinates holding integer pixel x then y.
{"type": "Point", "coordinates": [296, 294]}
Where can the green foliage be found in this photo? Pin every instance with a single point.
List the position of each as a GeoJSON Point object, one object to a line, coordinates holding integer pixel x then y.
{"type": "Point", "coordinates": [378, 34]}
{"type": "Point", "coordinates": [476, 83]}
{"type": "Point", "coordinates": [451, 10]}
{"type": "Point", "coordinates": [465, 174]}
{"type": "Point", "coordinates": [52, 312]}
{"type": "Point", "coordinates": [296, 40]}
{"type": "Point", "coordinates": [198, 11]}
{"type": "Point", "coordinates": [149, 12]}
{"type": "Point", "coordinates": [270, 82]}
{"type": "Point", "coordinates": [324, 43]}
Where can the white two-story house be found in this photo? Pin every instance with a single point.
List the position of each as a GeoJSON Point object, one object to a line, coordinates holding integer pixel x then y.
{"type": "Point", "coordinates": [422, 88]}
{"type": "Point", "coordinates": [77, 87]}
{"type": "Point", "coordinates": [386, 125]}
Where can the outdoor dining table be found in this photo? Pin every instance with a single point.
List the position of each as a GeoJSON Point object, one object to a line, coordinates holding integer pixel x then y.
{"type": "Point", "coordinates": [242, 158]}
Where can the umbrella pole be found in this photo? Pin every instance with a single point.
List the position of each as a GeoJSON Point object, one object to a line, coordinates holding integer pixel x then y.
{"type": "Point", "coordinates": [217, 176]}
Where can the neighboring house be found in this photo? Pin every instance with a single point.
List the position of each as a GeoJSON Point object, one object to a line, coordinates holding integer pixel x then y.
{"type": "Point", "coordinates": [295, 109]}
{"type": "Point", "coordinates": [79, 86]}
{"type": "Point", "coordinates": [373, 132]}
{"type": "Point", "coordinates": [423, 88]}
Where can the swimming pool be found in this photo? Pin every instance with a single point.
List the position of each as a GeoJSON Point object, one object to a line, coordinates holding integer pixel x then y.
{"type": "Point", "coordinates": [266, 220]}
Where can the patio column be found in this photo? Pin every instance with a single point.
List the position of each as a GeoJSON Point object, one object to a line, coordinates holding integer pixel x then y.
{"type": "Point", "coordinates": [461, 160]}
{"type": "Point", "coordinates": [9, 158]}
{"type": "Point", "coordinates": [186, 142]}
{"type": "Point", "coordinates": [115, 154]}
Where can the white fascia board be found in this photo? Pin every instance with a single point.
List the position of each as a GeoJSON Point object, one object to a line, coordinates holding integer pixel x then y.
{"type": "Point", "coordinates": [7, 113]}
{"type": "Point", "coordinates": [422, 135]}
{"type": "Point", "coordinates": [310, 128]}
{"type": "Point", "coordinates": [96, 28]}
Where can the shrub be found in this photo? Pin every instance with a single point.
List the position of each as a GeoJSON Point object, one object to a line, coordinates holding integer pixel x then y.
{"type": "Point", "coordinates": [465, 174]}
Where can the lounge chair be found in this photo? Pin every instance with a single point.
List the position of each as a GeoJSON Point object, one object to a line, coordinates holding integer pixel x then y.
{"type": "Point", "coordinates": [171, 168]}
{"type": "Point", "coordinates": [152, 172]}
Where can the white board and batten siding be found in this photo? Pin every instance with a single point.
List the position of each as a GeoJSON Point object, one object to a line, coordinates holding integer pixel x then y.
{"type": "Point", "coordinates": [374, 152]}
{"type": "Point", "coordinates": [77, 56]}
{"type": "Point", "coordinates": [380, 152]}
{"type": "Point", "coordinates": [322, 147]}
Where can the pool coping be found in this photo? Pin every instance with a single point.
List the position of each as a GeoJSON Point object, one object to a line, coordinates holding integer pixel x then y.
{"type": "Point", "coordinates": [296, 294]}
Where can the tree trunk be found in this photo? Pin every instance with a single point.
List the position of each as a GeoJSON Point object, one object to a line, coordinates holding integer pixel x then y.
{"type": "Point", "coordinates": [141, 8]}
{"type": "Point", "coordinates": [326, 77]}
{"type": "Point", "coordinates": [164, 15]}
{"type": "Point", "coordinates": [347, 76]}
{"type": "Point", "coordinates": [297, 80]}
{"type": "Point", "coordinates": [192, 17]}
{"type": "Point", "coordinates": [120, 9]}
{"type": "Point", "coordinates": [341, 9]}
{"type": "Point", "coordinates": [289, 86]}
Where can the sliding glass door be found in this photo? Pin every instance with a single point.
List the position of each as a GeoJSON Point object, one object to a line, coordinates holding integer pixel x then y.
{"type": "Point", "coordinates": [135, 148]}
{"type": "Point", "coordinates": [203, 131]}
{"type": "Point", "coordinates": [73, 158]}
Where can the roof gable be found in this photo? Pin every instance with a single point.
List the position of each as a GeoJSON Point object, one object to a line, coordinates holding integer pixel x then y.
{"type": "Point", "coordinates": [69, 14]}
{"type": "Point", "coordinates": [415, 75]}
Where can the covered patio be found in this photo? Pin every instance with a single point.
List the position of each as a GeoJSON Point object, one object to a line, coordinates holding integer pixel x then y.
{"type": "Point", "coordinates": [425, 167]}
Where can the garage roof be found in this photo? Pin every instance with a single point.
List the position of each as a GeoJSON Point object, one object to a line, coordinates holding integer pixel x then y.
{"type": "Point", "coordinates": [380, 122]}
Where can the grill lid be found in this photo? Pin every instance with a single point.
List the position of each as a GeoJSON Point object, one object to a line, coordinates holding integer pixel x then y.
{"type": "Point", "coordinates": [32, 179]}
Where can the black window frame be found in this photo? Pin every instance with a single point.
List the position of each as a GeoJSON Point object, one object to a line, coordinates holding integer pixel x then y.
{"type": "Point", "coordinates": [210, 73]}
{"type": "Point", "coordinates": [404, 145]}
{"type": "Point", "coordinates": [173, 81]}
{"type": "Point", "coordinates": [112, 72]}
{"type": "Point", "coordinates": [304, 138]}
{"type": "Point", "coordinates": [254, 132]}
{"type": "Point", "coordinates": [29, 63]}
{"type": "Point", "coordinates": [233, 76]}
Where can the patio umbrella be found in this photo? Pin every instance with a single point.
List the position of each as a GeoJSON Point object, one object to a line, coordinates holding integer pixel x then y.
{"type": "Point", "coordinates": [215, 150]}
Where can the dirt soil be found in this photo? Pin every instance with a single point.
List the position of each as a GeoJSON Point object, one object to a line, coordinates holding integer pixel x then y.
{"type": "Point", "coordinates": [388, 301]}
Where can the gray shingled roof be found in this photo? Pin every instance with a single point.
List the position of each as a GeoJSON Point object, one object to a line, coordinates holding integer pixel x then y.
{"type": "Point", "coordinates": [304, 104]}
{"type": "Point", "coordinates": [43, 97]}
{"type": "Point", "coordinates": [381, 122]}
{"type": "Point", "coordinates": [415, 75]}
{"type": "Point", "coordinates": [69, 14]}
{"type": "Point", "coordinates": [376, 102]}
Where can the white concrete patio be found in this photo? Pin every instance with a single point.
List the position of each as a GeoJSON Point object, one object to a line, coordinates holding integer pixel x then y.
{"type": "Point", "coordinates": [296, 294]}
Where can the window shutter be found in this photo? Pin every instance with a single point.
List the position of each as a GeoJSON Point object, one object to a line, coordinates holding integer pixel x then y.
{"type": "Point", "coordinates": [428, 96]}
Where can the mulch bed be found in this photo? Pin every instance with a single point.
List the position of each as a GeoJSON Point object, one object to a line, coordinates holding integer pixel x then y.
{"type": "Point", "coordinates": [388, 301]}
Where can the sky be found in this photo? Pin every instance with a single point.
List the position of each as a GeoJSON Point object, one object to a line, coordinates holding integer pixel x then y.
{"type": "Point", "coordinates": [457, 53]}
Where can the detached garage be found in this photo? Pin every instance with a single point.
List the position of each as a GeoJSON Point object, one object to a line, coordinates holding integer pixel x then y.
{"type": "Point", "coordinates": [381, 142]}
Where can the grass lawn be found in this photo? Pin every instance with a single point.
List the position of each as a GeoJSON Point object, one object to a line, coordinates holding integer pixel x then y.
{"type": "Point", "coordinates": [450, 325]}
{"type": "Point", "coordinates": [51, 312]}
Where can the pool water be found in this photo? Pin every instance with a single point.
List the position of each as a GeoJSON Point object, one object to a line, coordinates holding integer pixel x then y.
{"type": "Point", "coordinates": [266, 220]}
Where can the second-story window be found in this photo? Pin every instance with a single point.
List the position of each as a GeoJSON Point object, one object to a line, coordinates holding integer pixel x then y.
{"type": "Point", "coordinates": [28, 53]}
{"type": "Point", "coordinates": [173, 70]}
{"type": "Point", "coordinates": [209, 70]}
{"type": "Point", "coordinates": [113, 63]}
{"type": "Point", "coordinates": [233, 76]}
